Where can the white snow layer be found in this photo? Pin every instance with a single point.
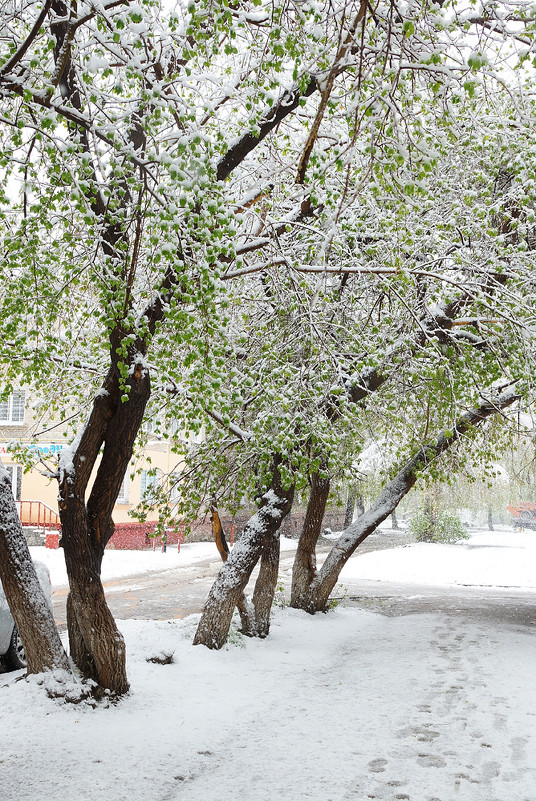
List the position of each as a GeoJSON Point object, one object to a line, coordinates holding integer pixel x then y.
{"type": "Point", "coordinates": [347, 706]}
{"type": "Point", "coordinates": [488, 559]}
{"type": "Point", "coordinates": [118, 564]}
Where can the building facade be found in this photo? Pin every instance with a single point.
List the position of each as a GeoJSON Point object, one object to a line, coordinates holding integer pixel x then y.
{"type": "Point", "coordinates": [18, 433]}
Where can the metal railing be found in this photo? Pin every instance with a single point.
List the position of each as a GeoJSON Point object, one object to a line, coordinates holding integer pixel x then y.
{"type": "Point", "coordinates": [38, 514]}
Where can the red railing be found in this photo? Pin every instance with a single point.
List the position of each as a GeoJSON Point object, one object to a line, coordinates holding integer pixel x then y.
{"type": "Point", "coordinates": [132, 535]}
{"type": "Point", "coordinates": [38, 514]}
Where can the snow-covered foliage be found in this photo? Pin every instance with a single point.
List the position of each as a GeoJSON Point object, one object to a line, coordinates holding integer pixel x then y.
{"type": "Point", "coordinates": [278, 211]}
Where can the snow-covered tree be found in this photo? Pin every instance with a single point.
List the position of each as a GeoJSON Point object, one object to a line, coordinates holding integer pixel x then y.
{"type": "Point", "coordinates": [29, 606]}
{"type": "Point", "coordinates": [235, 203]}
{"type": "Point", "coordinates": [435, 317]}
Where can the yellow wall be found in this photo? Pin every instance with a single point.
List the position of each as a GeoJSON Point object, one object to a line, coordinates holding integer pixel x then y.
{"type": "Point", "coordinates": [39, 431]}
{"type": "Point", "coordinates": [37, 487]}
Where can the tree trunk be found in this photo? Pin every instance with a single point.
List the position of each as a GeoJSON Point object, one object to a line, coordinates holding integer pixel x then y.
{"type": "Point", "coordinates": [263, 595]}
{"type": "Point", "coordinates": [254, 617]}
{"type": "Point", "coordinates": [97, 646]}
{"type": "Point", "coordinates": [245, 609]}
{"type": "Point", "coordinates": [304, 568]}
{"type": "Point", "coordinates": [360, 506]}
{"type": "Point", "coordinates": [326, 578]}
{"type": "Point", "coordinates": [350, 506]}
{"type": "Point", "coordinates": [490, 518]}
{"type": "Point", "coordinates": [28, 604]}
{"type": "Point", "coordinates": [394, 521]}
{"type": "Point", "coordinates": [233, 577]}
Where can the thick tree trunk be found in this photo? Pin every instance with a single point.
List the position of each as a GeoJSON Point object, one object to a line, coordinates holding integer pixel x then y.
{"type": "Point", "coordinates": [263, 595]}
{"type": "Point", "coordinates": [231, 582]}
{"type": "Point", "coordinates": [394, 520]}
{"type": "Point", "coordinates": [304, 569]}
{"type": "Point", "coordinates": [97, 646]}
{"type": "Point", "coordinates": [27, 601]}
{"type": "Point", "coordinates": [326, 578]}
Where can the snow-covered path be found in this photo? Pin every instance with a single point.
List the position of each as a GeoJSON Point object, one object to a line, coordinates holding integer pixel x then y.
{"type": "Point", "coordinates": [350, 705]}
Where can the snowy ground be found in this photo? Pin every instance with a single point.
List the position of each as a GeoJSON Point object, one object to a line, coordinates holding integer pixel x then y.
{"type": "Point", "coordinates": [118, 564]}
{"type": "Point", "coordinates": [503, 558]}
{"type": "Point", "coordinates": [349, 705]}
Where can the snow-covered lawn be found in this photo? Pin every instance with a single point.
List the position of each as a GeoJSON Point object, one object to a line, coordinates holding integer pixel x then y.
{"type": "Point", "coordinates": [503, 558]}
{"type": "Point", "coordinates": [347, 706]}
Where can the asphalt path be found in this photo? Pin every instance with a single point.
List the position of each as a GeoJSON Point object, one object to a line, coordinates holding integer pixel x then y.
{"type": "Point", "coordinates": [182, 591]}
{"type": "Point", "coordinates": [161, 595]}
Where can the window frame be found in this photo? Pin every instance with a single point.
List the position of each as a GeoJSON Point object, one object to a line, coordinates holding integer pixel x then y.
{"type": "Point", "coordinates": [8, 405]}
{"type": "Point", "coordinates": [124, 491]}
{"type": "Point", "coordinates": [15, 476]}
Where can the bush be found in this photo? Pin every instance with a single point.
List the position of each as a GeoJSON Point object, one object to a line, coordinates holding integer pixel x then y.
{"type": "Point", "coordinates": [437, 527]}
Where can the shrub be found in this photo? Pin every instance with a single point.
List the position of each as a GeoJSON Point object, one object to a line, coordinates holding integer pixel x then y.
{"type": "Point", "coordinates": [437, 526]}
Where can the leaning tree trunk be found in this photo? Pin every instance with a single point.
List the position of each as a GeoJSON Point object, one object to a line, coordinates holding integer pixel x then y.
{"type": "Point", "coordinates": [231, 582]}
{"type": "Point", "coordinates": [326, 578]}
{"type": "Point", "coordinates": [245, 609]}
{"type": "Point", "coordinates": [255, 616]}
{"type": "Point", "coordinates": [27, 601]}
{"type": "Point", "coordinates": [304, 568]}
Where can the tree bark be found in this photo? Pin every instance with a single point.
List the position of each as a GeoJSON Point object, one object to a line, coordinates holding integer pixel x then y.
{"type": "Point", "coordinates": [97, 646]}
{"type": "Point", "coordinates": [304, 568]}
{"type": "Point", "coordinates": [27, 601]}
{"type": "Point", "coordinates": [233, 577]}
{"type": "Point", "coordinates": [490, 518]}
{"type": "Point", "coordinates": [263, 595]}
{"type": "Point", "coordinates": [245, 609]}
{"type": "Point", "coordinates": [394, 521]}
{"type": "Point", "coordinates": [324, 581]}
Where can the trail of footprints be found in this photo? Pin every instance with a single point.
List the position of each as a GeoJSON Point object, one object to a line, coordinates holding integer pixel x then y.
{"type": "Point", "coordinates": [446, 713]}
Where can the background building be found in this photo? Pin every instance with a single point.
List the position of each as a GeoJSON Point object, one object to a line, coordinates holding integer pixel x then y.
{"type": "Point", "coordinates": [18, 433]}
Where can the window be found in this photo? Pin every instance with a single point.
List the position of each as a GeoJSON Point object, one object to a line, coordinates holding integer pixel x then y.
{"type": "Point", "coordinates": [15, 474]}
{"type": "Point", "coordinates": [152, 426]}
{"type": "Point", "coordinates": [148, 484]}
{"type": "Point", "coordinates": [12, 409]}
{"type": "Point", "coordinates": [174, 487]}
{"type": "Point", "coordinates": [123, 491]}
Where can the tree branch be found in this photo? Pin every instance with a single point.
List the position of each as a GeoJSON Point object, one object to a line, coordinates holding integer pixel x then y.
{"type": "Point", "coordinates": [23, 49]}
{"type": "Point", "coordinates": [288, 102]}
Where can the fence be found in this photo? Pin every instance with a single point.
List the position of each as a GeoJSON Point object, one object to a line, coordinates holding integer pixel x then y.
{"type": "Point", "coordinates": [38, 514]}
